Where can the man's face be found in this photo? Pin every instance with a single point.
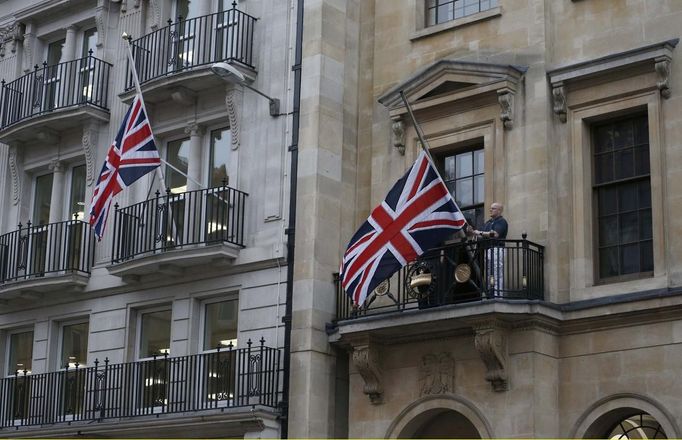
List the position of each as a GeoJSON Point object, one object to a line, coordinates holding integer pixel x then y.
{"type": "Point", "coordinates": [495, 210]}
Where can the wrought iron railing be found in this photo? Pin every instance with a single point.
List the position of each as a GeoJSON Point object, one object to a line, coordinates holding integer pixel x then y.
{"type": "Point", "coordinates": [172, 221]}
{"type": "Point", "coordinates": [34, 251]}
{"type": "Point", "coordinates": [225, 378]}
{"type": "Point", "coordinates": [73, 83]}
{"type": "Point", "coordinates": [455, 273]}
{"type": "Point", "coordinates": [184, 44]}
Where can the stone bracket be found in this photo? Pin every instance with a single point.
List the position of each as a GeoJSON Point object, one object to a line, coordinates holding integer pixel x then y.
{"type": "Point", "coordinates": [506, 100]}
{"type": "Point", "coordinates": [89, 143]}
{"type": "Point", "coordinates": [491, 343]}
{"type": "Point", "coordinates": [398, 134]}
{"type": "Point", "coordinates": [662, 67]}
{"type": "Point", "coordinates": [366, 359]}
{"type": "Point", "coordinates": [233, 103]}
{"type": "Point", "coordinates": [14, 159]}
{"type": "Point", "coordinates": [559, 100]}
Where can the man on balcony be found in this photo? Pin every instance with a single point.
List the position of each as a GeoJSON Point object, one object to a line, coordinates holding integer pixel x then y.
{"type": "Point", "coordinates": [495, 228]}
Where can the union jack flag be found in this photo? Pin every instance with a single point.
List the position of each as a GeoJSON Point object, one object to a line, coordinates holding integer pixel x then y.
{"type": "Point", "coordinates": [416, 215]}
{"type": "Point", "coordinates": [132, 155]}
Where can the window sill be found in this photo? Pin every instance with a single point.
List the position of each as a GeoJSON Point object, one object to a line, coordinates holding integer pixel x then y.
{"type": "Point", "coordinates": [456, 23]}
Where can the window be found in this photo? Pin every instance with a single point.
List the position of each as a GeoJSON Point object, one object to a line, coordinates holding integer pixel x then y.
{"type": "Point", "coordinates": [41, 199]}
{"type": "Point", "coordinates": [621, 185]}
{"type": "Point", "coordinates": [154, 334]}
{"type": "Point", "coordinates": [155, 328]}
{"type": "Point", "coordinates": [55, 55]}
{"type": "Point", "coordinates": [87, 66]}
{"type": "Point", "coordinates": [177, 155]}
{"type": "Point", "coordinates": [77, 193]}
{"type": "Point", "coordinates": [219, 156]}
{"type": "Point", "coordinates": [440, 11]}
{"type": "Point", "coordinates": [464, 175]}
{"type": "Point", "coordinates": [640, 426]}
{"type": "Point", "coordinates": [20, 352]}
{"type": "Point", "coordinates": [74, 345]}
{"type": "Point", "coordinates": [220, 324]}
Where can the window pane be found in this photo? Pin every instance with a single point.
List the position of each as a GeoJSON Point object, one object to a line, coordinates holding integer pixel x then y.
{"type": "Point", "coordinates": [625, 164]}
{"type": "Point", "coordinates": [89, 42]}
{"type": "Point", "coordinates": [20, 352]}
{"type": "Point", "coordinates": [607, 200]}
{"type": "Point", "coordinates": [603, 168]}
{"type": "Point", "coordinates": [646, 250]}
{"type": "Point", "coordinates": [622, 134]}
{"type": "Point", "coordinates": [603, 139]}
{"type": "Point", "coordinates": [74, 344]}
{"type": "Point", "coordinates": [608, 231]}
{"type": "Point", "coordinates": [629, 258]}
{"type": "Point", "coordinates": [220, 328]}
{"type": "Point", "coordinates": [629, 227]}
{"type": "Point", "coordinates": [645, 224]}
{"type": "Point", "coordinates": [177, 155]}
{"type": "Point", "coordinates": [188, 8]}
{"type": "Point", "coordinates": [608, 262]}
{"type": "Point", "coordinates": [465, 165]}
{"type": "Point", "coordinates": [627, 197]}
{"type": "Point", "coordinates": [479, 162]}
{"type": "Point", "coordinates": [155, 334]}
{"type": "Point", "coordinates": [641, 126]}
{"type": "Point", "coordinates": [464, 192]}
{"type": "Point", "coordinates": [479, 189]}
{"type": "Point", "coordinates": [644, 194]}
{"type": "Point", "coordinates": [54, 52]}
{"type": "Point", "coordinates": [220, 154]}
{"type": "Point", "coordinates": [77, 193]}
{"type": "Point", "coordinates": [642, 160]}
{"type": "Point", "coordinates": [449, 168]}
{"type": "Point", "coordinates": [41, 200]}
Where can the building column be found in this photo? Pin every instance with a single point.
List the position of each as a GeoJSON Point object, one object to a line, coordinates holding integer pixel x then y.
{"type": "Point", "coordinates": [69, 53]}
{"type": "Point", "coordinates": [194, 161]}
{"type": "Point", "coordinates": [58, 189]}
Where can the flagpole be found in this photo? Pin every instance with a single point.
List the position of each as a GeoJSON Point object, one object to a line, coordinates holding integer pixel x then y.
{"type": "Point", "coordinates": [138, 89]}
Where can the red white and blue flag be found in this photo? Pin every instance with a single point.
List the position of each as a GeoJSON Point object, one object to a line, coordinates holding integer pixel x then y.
{"type": "Point", "coordinates": [416, 215]}
{"type": "Point", "coordinates": [132, 155]}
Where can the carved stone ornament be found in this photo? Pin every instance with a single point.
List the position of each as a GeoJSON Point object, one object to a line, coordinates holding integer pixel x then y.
{"type": "Point", "coordinates": [14, 172]}
{"type": "Point", "coordinates": [89, 142]}
{"type": "Point", "coordinates": [156, 14]}
{"type": "Point", "coordinates": [559, 101]}
{"type": "Point", "coordinates": [28, 43]}
{"type": "Point", "coordinates": [663, 74]}
{"type": "Point", "coordinates": [398, 135]}
{"type": "Point", "coordinates": [233, 102]}
{"type": "Point", "coordinates": [506, 100]}
{"type": "Point", "coordinates": [10, 34]}
{"type": "Point", "coordinates": [366, 360]}
{"type": "Point", "coordinates": [491, 343]}
{"type": "Point", "coordinates": [101, 12]}
{"type": "Point", "coordinates": [437, 374]}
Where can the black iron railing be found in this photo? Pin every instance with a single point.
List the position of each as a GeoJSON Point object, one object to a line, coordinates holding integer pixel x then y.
{"type": "Point", "coordinates": [35, 251]}
{"type": "Point", "coordinates": [225, 378]}
{"type": "Point", "coordinates": [73, 83]}
{"type": "Point", "coordinates": [172, 221]}
{"type": "Point", "coordinates": [455, 273]}
{"type": "Point", "coordinates": [223, 36]}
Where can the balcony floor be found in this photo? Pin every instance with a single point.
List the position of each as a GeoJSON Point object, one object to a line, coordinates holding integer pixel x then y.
{"type": "Point", "coordinates": [38, 127]}
{"type": "Point", "coordinates": [34, 287]}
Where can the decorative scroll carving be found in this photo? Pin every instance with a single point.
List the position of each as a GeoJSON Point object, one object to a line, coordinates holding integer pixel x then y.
{"type": "Point", "coordinates": [101, 13]}
{"type": "Point", "coordinates": [89, 142]}
{"type": "Point", "coordinates": [663, 75]}
{"type": "Point", "coordinates": [233, 102]}
{"type": "Point", "coordinates": [136, 4]}
{"type": "Point", "coordinates": [506, 100]}
{"type": "Point", "coordinates": [28, 43]}
{"type": "Point", "coordinates": [559, 100]}
{"type": "Point", "coordinates": [10, 34]}
{"type": "Point", "coordinates": [398, 134]}
{"type": "Point", "coordinates": [366, 360]}
{"type": "Point", "coordinates": [14, 171]}
{"type": "Point", "coordinates": [491, 343]}
{"type": "Point", "coordinates": [437, 374]}
{"type": "Point", "coordinates": [156, 13]}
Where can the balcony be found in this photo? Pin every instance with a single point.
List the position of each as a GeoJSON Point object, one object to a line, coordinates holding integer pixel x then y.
{"type": "Point", "coordinates": [106, 392]}
{"type": "Point", "coordinates": [54, 98]}
{"type": "Point", "coordinates": [181, 53]}
{"type": "Point", "coordinates": [456, 273]}
{"type": "Point", "coordinates": [174, 231]}
{"type": "Point", "coordinates": [42, 258]}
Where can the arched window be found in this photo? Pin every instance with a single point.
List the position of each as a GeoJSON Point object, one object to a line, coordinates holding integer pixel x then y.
{"type": "Point", "coordinates": [638, 426]}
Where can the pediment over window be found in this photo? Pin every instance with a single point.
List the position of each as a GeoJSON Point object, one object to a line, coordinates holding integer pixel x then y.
{"type": "Point", "coordinates": [448, 81]}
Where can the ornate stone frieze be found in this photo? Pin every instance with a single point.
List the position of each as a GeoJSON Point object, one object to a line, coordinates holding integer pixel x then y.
{"type": "Point", "coordinates": [14, 172]}
{"type": "Point", "coordinates": [366, 360]}
{"type": "Point", "coordinates": [10, 35]}
{"type": "Point", "coordinates": [491, 343]}
{"type": "Point", "coordinates": [506, 100]}
{"type": "Point", "coordinates": [398, 134]}
{"type": "Point", "coordinates": [233, 102]}
{"type": "Point", "coordinates": [89, 142]}
{"type": "Point", "coordinates": [437, 374]}
{"type": "Point", "coordinates": [663, 74]}
{"type": "Point", "coordinates": [559, 101]}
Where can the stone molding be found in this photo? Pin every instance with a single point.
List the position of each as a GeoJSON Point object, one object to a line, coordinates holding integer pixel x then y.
{"type": "Point", "coordinates": [56, 166]}
{"type": "Point", "coordinates": [658, 56]}
{"type": "Point", "coordinates": [398, 134]}
{"type": "Point", "coordinates": [101, 12]}
{"type": "Point", "coordinates": [194, 129]}
{"type": "Point", "coordinates": [14, 172]}
{"type": "Point", "coordinates": [491, 343]}
{"type": "Point", "coordinates": [89, 143]}
{"type": "Point", "coordinates": [366, 359]}
{"type": "Point", "coordinates": [233, 102]}
{"type": "Point", "coordinates": [506, 100]}
{"type": "Point", "coordinates": [437, 374]}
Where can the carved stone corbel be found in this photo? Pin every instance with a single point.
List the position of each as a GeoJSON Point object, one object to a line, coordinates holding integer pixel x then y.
{"type": "Point", "coordinates": [156, 13]}
{"type": "Point", "coordinates": [10, 34]}
{"type": "Point", "coordinates": [491, 343]}
{"type": "Point", "coordinates": [233, 102]}
{"type": "Point", "coordinates": [559, 101]}
{"type": "Point", "coordinates": [506, 101]}
{"type": "Point", "coordinates": [367, 361]}
{"type": "Point", "coordinates": [89, 142]}
{"type": "Point", "coordinates": [28, 44]}
{"type": "Point", "coordinates": [663, 75]}
{"type": "Point", "coordinates": [14, 159]}
{"type": "Point", "coordinates": [437, 374]}
{"type": "Point", "coordinates": [398, 134]}
{"type": "Point", "coordinates": [101, 12]}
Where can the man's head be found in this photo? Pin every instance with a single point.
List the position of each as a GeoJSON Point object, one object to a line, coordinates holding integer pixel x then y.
{"type": "Point", "coordinates": [496, 210]}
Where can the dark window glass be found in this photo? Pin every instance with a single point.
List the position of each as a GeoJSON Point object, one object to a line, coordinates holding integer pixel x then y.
{"type": "Point", "coordinates": [20, 353]}
{"type": "Point", "coordinates": [220, 324]}
{"type": "Point", "coordinates": [41, 199]}
{"type": "Point", "coordinates": [74, 344]}
{"type": "Point", "coordinates": [623, 191]}
{"type": "Point", "coordinates": [464, 175]}
{"type": "Point", "coordinates": [155, 334]}
{"type": "Point", "coordinates": [221, 140]}
{"type": "Point", "coordinates": [77, 193]}
{"type": "Point", "coordinates": [177, 155]}
{"type": "Point", "coordinates": [440, 11]}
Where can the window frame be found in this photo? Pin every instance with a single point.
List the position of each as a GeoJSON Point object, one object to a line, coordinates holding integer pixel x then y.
{"type": "Point", "coordinates": [454, 152]}
{"type": "Point", "coordinates": [67, 202]}
{"type": "Point", "coordinates": [34, 187]}
{"type": "Point", "coordinates": [427, 9]}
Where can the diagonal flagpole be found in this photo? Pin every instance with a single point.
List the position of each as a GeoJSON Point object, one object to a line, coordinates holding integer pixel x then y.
{"type": "Point", "coordinates": [138, 89]}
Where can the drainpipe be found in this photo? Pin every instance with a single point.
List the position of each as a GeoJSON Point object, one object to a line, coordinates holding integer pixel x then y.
{"type": "Point", "coordinates": [291, 228]}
